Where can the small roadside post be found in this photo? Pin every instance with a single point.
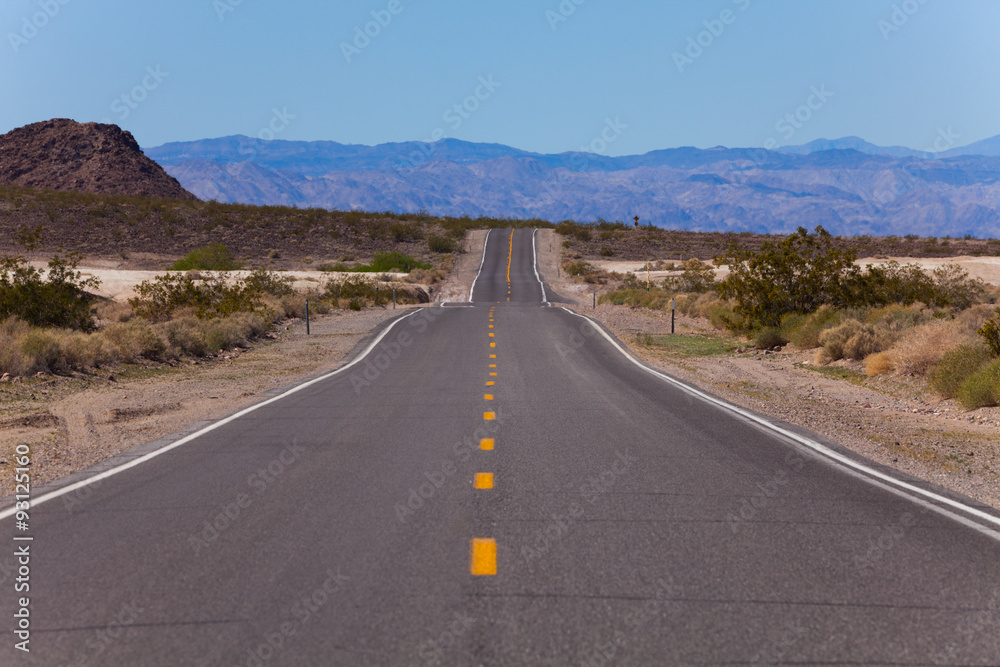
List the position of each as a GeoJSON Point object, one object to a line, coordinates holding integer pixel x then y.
{"type": "Point", "coordinates": [671, 315]}
{"type": "Point", "coordinates": [595, 297]}
{"type": "Point", "coordinates": [307, 317]}
{"type": "Point", "coordinates": [647, 276]}
{"type": "Point", "coordinates": [394, 298]}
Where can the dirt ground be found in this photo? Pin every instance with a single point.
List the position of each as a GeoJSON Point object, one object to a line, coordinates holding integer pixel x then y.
{"type": "Point", "coordinates": [75, 422]}
{"type": "Point", "coordinates": [985, 268]}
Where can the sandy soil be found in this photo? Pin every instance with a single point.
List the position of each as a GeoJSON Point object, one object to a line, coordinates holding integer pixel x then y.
{"type": "Point", "coordinates": [119, 284]}
{"type": "Point", "coordinates": [986, 268]}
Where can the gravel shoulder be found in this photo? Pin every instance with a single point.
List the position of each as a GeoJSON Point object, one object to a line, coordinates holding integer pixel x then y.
{"type": "Point", "coordinates": [73, 422]}
{"type": "Point", "coordinates": [893, 420]}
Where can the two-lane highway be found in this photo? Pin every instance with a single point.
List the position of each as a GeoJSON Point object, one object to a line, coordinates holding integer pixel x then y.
{"type": "Point", "coordinates": [498, 484]}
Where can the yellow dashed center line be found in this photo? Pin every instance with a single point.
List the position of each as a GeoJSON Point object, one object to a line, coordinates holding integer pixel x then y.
{"type": "Point", "coordinates": [489, 416]}
{"type": "Point", "coordinates": [490, 383]}
{"type": "Point", "coordinates": [483, 556]}
{"type": "Point", "coordinates": [488, 397]}
{"type": "Point", "coordinates": [484, 480]}
{"type": "Point", "coordinates": [493, 374]}
{"type": "Point", "coordinates": [493, 365]}
{"type": "Point", "coordinates": [486, 444]}
{"type": "Point", "coordinates": [493, 344]}
{"type": "Point", "coordinates": [493, 356]}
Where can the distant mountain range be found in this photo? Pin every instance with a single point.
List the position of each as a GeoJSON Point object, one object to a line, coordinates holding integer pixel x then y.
{"type": "Point", "coordinates": [847, 185]}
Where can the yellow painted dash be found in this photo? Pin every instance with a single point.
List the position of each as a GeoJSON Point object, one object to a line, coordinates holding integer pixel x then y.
{"type": "Point", "coordinates": [493, 356]}
{"type": "Point", "coordinates": [492, 334]}
{"type": "Point", "coordinates": [493, 344]}
{"type": "Point", "coordinates": [484, 480]}
{"type": "Point", "coordinates": [486, 444]}
{"type": "Point", "coordinates": [493, 365]}
{"type": "Point", "coordinates": [493, 374]}
{"type": "Point", "coordinates": [488, 416]}
{"type": "Point", "coordinates": [490, 383]}
{"type": "Point", "coordinates": [488, 397]}
{"type": "Point", "coordinates": [483, 557]}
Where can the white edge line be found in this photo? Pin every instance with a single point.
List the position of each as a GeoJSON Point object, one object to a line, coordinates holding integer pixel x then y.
{"type": "Point", "coordinates": [534, 252]}
{"type": "Point", "coordinates": [197, 434]}
{"type": "Point", "coordinates": [487, 240]}
{"type": "Point", "coordinates": [901, 487]}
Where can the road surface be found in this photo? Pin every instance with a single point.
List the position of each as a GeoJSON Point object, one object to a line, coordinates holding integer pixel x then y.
{"type": "Point", "coordinates": [496, 483]}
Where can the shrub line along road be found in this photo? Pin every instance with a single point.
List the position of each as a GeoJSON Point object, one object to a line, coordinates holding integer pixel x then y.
{"type": "Point", "coordinates": [500, 484]}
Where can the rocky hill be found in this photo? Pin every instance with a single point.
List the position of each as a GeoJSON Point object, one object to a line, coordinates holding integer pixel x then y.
{"type": "Point", "coordinates": [61, 154]}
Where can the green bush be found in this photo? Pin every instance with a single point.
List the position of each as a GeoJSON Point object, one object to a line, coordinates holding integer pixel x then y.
{"type": "Point", "coordinates": [697, 277]}
{"type": "Point", "coordinates": [990, 331]}
{"type": "Point", "coordinates": [53, 298]}
{"type": "Point", "coordinates": [982, 388]}
{"type": "Point", "coordinates": [768, 337]}
{"type": "Point", "coordinates": [213, 296]}
{"type": "Point", "coordinates": [442, 244]}
{"type": "Point", "coordinates": [402, 232]}
{"type": "Point", "coordinates": [955, 366]}
{"type": "Point", "coordinates": [391, 260]}
{"type": "Point", "coordinates": [213, 257]}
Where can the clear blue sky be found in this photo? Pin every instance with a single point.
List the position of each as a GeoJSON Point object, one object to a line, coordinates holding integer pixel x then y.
{"type": "Point", "coordinates": [220, 72]}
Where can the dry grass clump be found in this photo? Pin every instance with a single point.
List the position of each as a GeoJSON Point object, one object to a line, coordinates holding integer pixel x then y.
{"type": "Point", "coordinates": [852, 340]}
{"type": "Point", "coordinates": [25, 349]}
{"type": "Point", "coordinates": [880, 363]}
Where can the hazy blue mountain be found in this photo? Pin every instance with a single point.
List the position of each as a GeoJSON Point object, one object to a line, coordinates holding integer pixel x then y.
{"type": "Point", "coordinates": [849, 189]}
{"type": "Point", "coordinates": [853, 143]}
{"type": "Point", "coordinates": [989, 147]}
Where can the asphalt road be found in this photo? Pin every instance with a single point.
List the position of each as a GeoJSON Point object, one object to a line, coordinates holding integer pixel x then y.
{"type": "Point", "coordinates": [626, 520]}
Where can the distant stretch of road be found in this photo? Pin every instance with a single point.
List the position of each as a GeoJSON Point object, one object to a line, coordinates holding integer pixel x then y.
{"type": "Point", "coordinates": [498, 483]}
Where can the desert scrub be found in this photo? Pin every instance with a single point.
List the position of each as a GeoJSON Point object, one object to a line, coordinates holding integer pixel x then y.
{"type": "Point", "coordinates": [213, 257]}
{"type": "Point", "coordinates": [982, 388]}
{"type": "Point", "coordinates": [57, 297]}
{"type": "Point", "coordinates": [852, 340]}
{"type": "Point", "coordinates": [955, 366]}
{"type": "Point", "coordinates": [211, 296]}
